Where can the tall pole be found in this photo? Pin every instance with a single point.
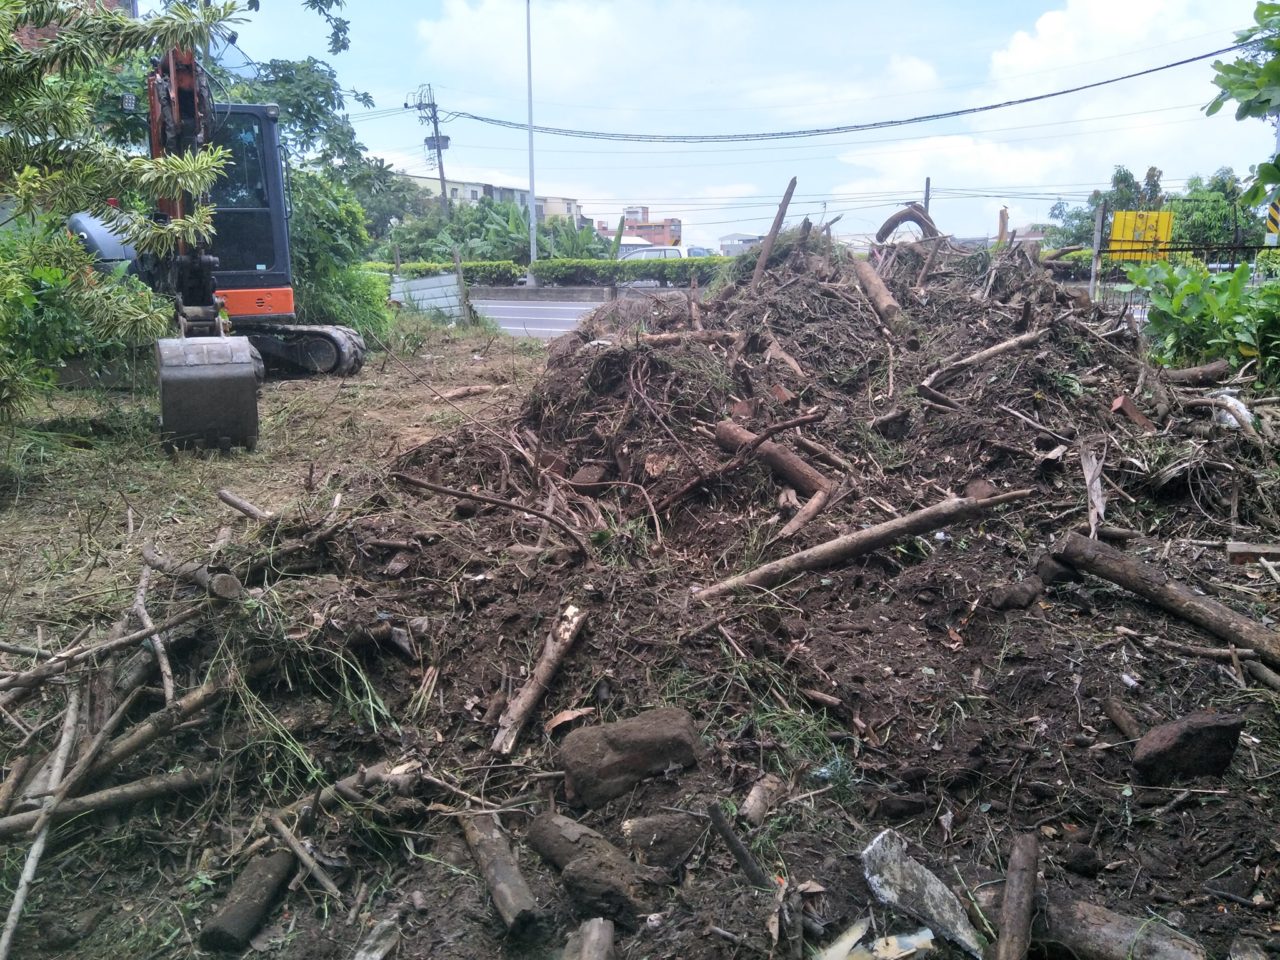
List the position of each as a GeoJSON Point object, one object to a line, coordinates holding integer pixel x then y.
{"type": "Point", "coordinates": [928, 186]}
{"type": "Point", "coordinates": [533, 196]}
{"type": "Point", "coordinates": [1273, 206]}
{"type": "Point", "coordinates": [435, 130]}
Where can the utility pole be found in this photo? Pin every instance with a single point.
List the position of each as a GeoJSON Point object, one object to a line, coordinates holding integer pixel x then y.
{"type": "Point", "coordinates": [425, 102]}
{"type": "Point", "coordinates": [1273, 208]}
{"type": "Point", "coordinates": [928, 186]}
{"type": "Point", "coordinates": [533, 196]}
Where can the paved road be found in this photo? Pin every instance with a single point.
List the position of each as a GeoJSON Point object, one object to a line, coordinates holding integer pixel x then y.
{"type": "Point", "coordinates": [541, 319]}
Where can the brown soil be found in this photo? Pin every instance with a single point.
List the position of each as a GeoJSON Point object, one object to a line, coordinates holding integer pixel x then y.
{"type": "Point", "coordinates": [886, 692]}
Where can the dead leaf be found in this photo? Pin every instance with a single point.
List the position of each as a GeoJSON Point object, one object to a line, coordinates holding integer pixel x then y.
{"type": "Point", "coordinates": [1092, 467]}
{"type": "Point", "coordinates": [567, 716]}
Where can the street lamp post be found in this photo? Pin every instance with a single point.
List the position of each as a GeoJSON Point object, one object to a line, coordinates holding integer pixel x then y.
{"type": "Point", "coordinates": [533, 196]}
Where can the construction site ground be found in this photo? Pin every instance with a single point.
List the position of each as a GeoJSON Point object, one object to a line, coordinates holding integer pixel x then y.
{"type": "Point", "coordinates": [942, 685]}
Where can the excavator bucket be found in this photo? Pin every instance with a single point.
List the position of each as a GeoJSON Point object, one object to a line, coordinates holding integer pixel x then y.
{"type": "Point", "coordinates": [208, 392]}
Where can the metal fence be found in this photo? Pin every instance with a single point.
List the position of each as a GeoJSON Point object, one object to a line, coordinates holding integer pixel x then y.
{"type": "Point", "coordinates": [429, 294]}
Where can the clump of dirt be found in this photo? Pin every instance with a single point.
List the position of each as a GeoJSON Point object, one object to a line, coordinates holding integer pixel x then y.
{"type": "Point", "coordinates": [902, 689]}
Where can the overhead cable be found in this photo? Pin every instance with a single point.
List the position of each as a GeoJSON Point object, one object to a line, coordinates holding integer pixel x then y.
{"type": "Point", "coordinates": [829, 131]}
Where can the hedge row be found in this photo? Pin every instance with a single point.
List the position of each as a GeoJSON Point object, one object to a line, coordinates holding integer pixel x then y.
{"type": "Point", "coordinates": [607, 272]}
{"type": "Point", "coordinates": [488, 273]}
{"type": "Point", "coordinates": [504, 273]}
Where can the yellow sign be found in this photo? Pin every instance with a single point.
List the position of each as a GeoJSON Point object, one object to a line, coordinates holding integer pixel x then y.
{"type": "Point", "coordinates": [1273, 223]}
{"type": "Point", "coordinates": [1140, 235]}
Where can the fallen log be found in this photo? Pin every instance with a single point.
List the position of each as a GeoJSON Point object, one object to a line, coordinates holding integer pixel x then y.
{"type": "Point", "coordinates": [224, 586]}
{"type": "Point", "coordinates": [601, 878]}
{"type": "Point", "coordinates": [949, 370]}
{"type": "Point", "coordinates": [557, 646]}
{"type": "Point", "coordinates": [1200, 376]}
{"type": "Point", "coordinates": [882, 301]}
{"type": "Point", "coordinates": [1086, 931]}
{"type": "Point", "coordinates": [789, 466]}
{"type": "Point", "coordinates": [1019, 898]}
{"type": "Point", "coordinates": [247, 904]}
{"type": "Point", "coordinates": [591, 941]}
{"type": "Point", "coordinates": [1153, 584]}
{"type": "Point", "coordinates": [118, 796]}
{"type": "Point", "coordinates": [853, 545]}
{"type": "Point", "coordinates": [492, 852]}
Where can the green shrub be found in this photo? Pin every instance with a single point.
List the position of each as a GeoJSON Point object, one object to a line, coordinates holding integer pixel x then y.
{"type": "Point", "coordinates": [605, 272]}
{"type": "Point", "coordinates": [490, 273]}
{"type": "Point", "coordinates": [350, 297]}
{"type": "Point", "coordinates": [1196, 316]}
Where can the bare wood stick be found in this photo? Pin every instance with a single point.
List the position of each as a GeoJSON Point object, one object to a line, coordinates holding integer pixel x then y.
{"type": "Point", "coordinates": [159, 645]}
{"type": "Point", "coordinates": [25, 651]}
{"type": "Point", "coordinates": [67, 740]}
{"type": "Point", "coordinates": [558, 644]}
{"type": "Point", "coordinates": [696, 336]}
{"type": "Point", "coordinates": [591, 941]}
{"type": "Point", "coordinates": [941, 399]}
{"type": "Point", "coordinates": [221, 585]}
{"type": "Point", "coordinates": [77, 775]}
{"type": "Point", "coordinates": [1105, 561]}
{"type": "Point", "coordinates": [823, 453]}
{"type": "Point", "coordinates": [911, 213]}
{"type": "Point", "coordinates": [163, 721]}
{"type": "Point", "coordinates": [766, 248]}
{"type": "Point", "coordinates": [237, 502]}
{"type": "Point", "coordinates": [1122, 718]}
{"type": "Point", "coordinates": [492, 852]}
{"type": "Point", "coordinates": [1243, 420]}
{"type": "Point", "coordinates": [1019, 898]}
{"type": "Point", "coordinates": [1264, 675]}
{"type": "Point", "coordinates": [813, 506]}
{"type": "Point", "coordinates": [308, 862]}
{"type": "Point", "coordinates": [789, 466]}
{"type": "Point", "coordinates": [1209, 653]}
{"type": "Point", "coordinates": [755, 873]}
{"type": "Point", "coordinates": [247, 903]}
{"type": "Point", "coordinates": [475, 390]}
{"type": "Point", "coordinates": [946, 372]}
{"type": "Point", "coordinates": [118, 796]}
{"type": "Point", "coordinates": [65, 660]}
{"type": "Point", "coordinates": [852, 545]}
{"type": "Point", "coordinates": [10, 785]}
{"type": "Point", "coordinates": [882, 301]}
{"type": "Point", "coordinates": [887, 422]}
{"type": "Point", "coordinates": [495, 501]}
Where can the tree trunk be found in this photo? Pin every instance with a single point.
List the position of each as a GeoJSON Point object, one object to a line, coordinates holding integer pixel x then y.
{"type": "Point", "coordinates": [511, 894]}
{"type": "Point", "coordinates": [882, 301]}
{"type": "Point", "coordinates": [1105, 561]}
{"type": "Point", "coordinates": [246, 906]}
{"type": "Point", "coordinates": [787, 465]}
{"type": "Point", "coordinates": [1019, 898]}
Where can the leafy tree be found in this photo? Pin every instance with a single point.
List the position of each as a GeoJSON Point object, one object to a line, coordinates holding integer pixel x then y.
{"type": "Point", "coordinates": [1074, 225]}
{"type": "Point", "coordinates": [55, 161]}
{"type": "Point", "coordinates": [313, 124]}
{"type": "Point", "coordinates": [1252, 81]}
{"type": "Point", "coordinates": [328, 242]}
{"type": "Point", "coordinates": [1209, 214]}
{"type": "Point", "coordinates": [388, 197]}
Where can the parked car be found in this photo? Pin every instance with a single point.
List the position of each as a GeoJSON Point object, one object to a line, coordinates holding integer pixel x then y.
{"type": "Point", "coordinates": [656, 253]}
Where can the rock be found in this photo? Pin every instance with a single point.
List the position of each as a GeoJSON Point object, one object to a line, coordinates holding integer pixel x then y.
{"type": "Point", "coordinates": [606, 761]}
{"type": "Point", "coordinates": [665, 840]}
{"type": "Point", "coordinates": [1199, 744]}
{"type": "Point", "coordinates": [1245, 949]}
{"type": "Point", "coordinates": [902, 882]}
{"type": "Point", "coordinates": [1082, 859]}
{"type": "Point", "coordinates": [601, 879]}
{"type": "Point", "coordinates": [589, 479]}
{"type": "Point", "coordinates": [1016, 596]}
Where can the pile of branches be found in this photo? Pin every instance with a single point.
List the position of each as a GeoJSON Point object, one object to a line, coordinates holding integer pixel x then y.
{"type": "Point", "coordinates": [816, 409]}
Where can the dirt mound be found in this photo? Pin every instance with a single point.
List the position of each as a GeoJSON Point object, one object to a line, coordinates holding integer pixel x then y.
{"type": "Point", "coordinates": [953, 683]}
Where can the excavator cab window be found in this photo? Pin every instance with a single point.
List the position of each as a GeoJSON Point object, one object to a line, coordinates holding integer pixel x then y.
{"type": "Point", "coordinates": [245, 238]}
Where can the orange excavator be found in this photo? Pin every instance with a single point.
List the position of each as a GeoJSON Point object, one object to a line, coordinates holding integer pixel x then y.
{"type": "Point", "coordinates": [234, 295]}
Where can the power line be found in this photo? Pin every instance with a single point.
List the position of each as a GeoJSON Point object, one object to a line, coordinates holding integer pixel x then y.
{"type": "Point", "coordinates": [829, 131]}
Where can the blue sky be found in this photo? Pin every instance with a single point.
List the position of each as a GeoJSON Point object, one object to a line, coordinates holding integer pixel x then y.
{"type": "Point", "coordinates": [699, 66]}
